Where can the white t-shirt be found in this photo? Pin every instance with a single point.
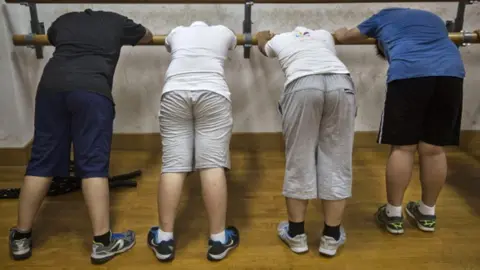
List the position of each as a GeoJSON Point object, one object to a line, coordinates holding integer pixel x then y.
{"type": "Point", "coordinates": [304, 52]}
{"type": "Point", "coordinates": [198, 55]}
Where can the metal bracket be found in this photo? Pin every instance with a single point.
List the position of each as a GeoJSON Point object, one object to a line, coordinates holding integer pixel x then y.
{"type": "Point", "coordinates": [457, 25]}
{"type": "Point", "coordinates": [247, 29]}
{"type": "Point", "coordinates": [37, 27]}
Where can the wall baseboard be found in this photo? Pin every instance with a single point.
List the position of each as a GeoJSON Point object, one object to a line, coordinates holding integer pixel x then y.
{"type": "Point", "coordinates": [241, 142]}
{"type": "Point", "coordinates": [15, 156]}
{"type": "Point", "coordinates": [470, 142]}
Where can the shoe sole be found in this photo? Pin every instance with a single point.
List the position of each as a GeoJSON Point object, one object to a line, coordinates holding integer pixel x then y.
{"type": "Point", "coordinates": [328, 252]}
{"type": "Point", "coordinates": [331, 253]}
{"type": "Point", "coordinates": [221, 256]}
{"type": "Point", "coordinates": [22, 257]}
{"type": "Point", "coordinates": [103, 260]}
{"type": "Point", "coordinates": [419, 225]}
{"type": "Point", "coordinates": [161, 257]}
{"type": "Point", "coordinates": [299, 251]}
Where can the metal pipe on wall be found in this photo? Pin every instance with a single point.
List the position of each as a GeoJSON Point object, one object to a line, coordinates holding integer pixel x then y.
{"type": "Point", "coordinates": [159, 40]}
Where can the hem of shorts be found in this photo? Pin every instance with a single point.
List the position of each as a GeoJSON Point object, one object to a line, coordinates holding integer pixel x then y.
{"type": "Point", "coordinates": [389, 142]}
{"type": "Point", "coordinates": [94, 175]}
{"type": "Point", "coordinates": [203, 167]}
{"type": "Point", "coordinates": [40, 175]}
{"type": "Point", "coordinates": [442, 144]}
{"type": "Point", "coordinates": [337, 198]}
{"type": "Point", "coordinates": [177, 170]}
{"type": "Point", "coordinates": [297, 197]}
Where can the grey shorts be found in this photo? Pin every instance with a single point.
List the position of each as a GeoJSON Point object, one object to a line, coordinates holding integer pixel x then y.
{"type": "Point", "coordinates": [196, 127]}
{"type": "Point", "coordinates": [318, 119]}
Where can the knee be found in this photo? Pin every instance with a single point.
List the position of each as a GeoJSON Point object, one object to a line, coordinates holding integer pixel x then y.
{"type": "Point", "coordinates": [425, 149]}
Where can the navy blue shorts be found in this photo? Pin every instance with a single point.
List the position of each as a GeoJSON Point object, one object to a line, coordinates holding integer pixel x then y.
{"type": "Point", "coordinates": [79, 117]}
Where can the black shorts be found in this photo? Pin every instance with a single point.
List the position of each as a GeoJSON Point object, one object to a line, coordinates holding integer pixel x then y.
{"type": "Point", "coordinates": [427, 109]}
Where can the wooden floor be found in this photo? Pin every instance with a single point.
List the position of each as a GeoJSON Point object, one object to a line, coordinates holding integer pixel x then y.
{"type": "Point", "coordinates": [62, 233]}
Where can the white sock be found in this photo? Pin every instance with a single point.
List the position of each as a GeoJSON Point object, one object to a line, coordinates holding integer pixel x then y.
{"type": "Point", "coordinates": [426, 210]}
{"type": "Point", "coordinates": [394, 211]}
{"type": "Point", "coordinates": [164, 236]}
{"type": "Point", "coordinates": [219, 237]}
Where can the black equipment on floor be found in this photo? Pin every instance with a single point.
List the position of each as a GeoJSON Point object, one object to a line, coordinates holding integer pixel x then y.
{"type": "Point", "coordinates": [64, 185]}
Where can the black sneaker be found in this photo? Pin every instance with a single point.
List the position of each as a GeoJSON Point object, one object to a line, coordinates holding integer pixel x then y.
{"type": "Point", "coordinates": [394, 225]}
{"type": "Point", "coordinates": [217, 251]}
{"type": "Point", "coordinates": [164, 250]}
{"type": "Point", "coordinates": [425, 223]}
{"type": "Point", "coordinates": [20, 249]}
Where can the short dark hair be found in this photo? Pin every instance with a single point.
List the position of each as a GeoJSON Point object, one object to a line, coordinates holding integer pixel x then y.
{"type": "Point", "coordinates": [380, 50]}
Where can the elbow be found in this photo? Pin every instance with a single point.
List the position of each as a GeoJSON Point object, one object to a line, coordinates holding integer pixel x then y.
{"type": "Point", "coordinates": [147, 38]}
{"type": "Point", "coordinates": [149, 35]}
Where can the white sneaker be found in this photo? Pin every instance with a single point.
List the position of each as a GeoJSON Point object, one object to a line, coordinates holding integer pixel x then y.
{"type": "Point", "coordinates": [329, 246]}
{"type": "Point", "coordinates": [297, 244]}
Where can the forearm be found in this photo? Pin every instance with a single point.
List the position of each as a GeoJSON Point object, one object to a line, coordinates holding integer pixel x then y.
{"type": "Point", "coordinates": [349, 36]}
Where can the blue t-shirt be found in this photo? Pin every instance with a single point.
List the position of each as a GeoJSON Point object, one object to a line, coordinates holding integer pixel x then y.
{"type": "Point", "coordinates": [415, 42]}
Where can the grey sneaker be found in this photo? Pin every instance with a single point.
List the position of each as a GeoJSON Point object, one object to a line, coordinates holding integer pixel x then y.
{"type": "Point", "coordinates": [120, 243]}
{"type": "Point", "coordinates": [425, 223]}
{"type": "Point", "coordinates": [329, 246]}
{"type": "Point", "coordinates": [394, 225]}
{"type": "Point", "coordinates": [297, 244]}
{"type": "Point", "coordinates": [20, 249]}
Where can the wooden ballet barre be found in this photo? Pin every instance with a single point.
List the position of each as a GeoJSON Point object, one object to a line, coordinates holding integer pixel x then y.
{"type": "Point", "coordinates": [216, 1]}
{"type": "Point", "coordinates": [42, 40]}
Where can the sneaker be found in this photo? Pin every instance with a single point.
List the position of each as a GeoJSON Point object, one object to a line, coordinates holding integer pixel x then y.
{"type": "Point", "coordinates": [329, 246]}
{"type": "Point", "coordinates": [164, 250]}
{"type": "Point", "coordinates": [425, 223]}
{"type": "Point", "coordinates": [394, 225]}
{"type": "Point", "coordinates": [217, 251]}
{"type": "Point", "coordinates": [297, 244]}
{"type": "Point", "coordinates": [20, 249]}
{"type": "Point", "coordinates": [120, 243]}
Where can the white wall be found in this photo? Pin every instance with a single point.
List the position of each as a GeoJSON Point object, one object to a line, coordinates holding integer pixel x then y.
{"type": "Point", "coordinates": [17, 88]}
{"type": "Point", "coordinates": [255, 83]}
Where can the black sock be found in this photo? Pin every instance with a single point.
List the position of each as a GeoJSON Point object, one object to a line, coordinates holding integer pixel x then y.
{"type": "Point", "coordinates": [21, 235]}
{"type": "Point", "coordinates": [296, 228]}
{"type": "Point", "coordinates": [104, 238]}
{"type": "Point", "coordinates": [333, 232]}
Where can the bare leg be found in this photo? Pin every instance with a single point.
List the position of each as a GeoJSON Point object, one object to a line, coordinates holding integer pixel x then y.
{"type": "Point", "coordinates": [399, 172]}
{"type": "Point", "coordinates": [106, 245]}
{"type": "Point", "coordinates": [333, 212]}
{"type": "Point", "coordinates": [169, 193]}
{"type": "Point", "coordinates": [214, 191]}
{"type": "Point", "coordinates": [333, 236]}
{"type": "Point", "coordinates": [296, 209]}
{"type": "Point", "coordinates": [433, 172]}
{"type": "Point", "coordinates": [32, 193]}
{"type": "Point", "coordinates": [96, 194]}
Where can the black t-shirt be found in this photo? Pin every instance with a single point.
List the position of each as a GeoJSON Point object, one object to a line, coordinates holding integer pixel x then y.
{"type": "Point", "coordinates": [87, 48]}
